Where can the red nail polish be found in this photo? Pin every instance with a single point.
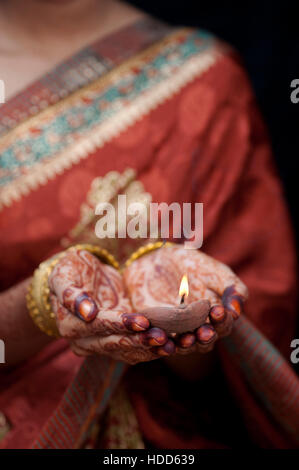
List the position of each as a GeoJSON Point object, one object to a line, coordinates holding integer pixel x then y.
{"type": "Point", "coordinates": [135, 322]}
{"type": "Point", "coordinates": [217, 314]}
{"type": "Point", "coordinates": [85, 307]}
{"type": "Point", "coordinates": [187, 340]}
{"type": "Point", "coordinates": [205, 333]}
{"type": "Point", "coordinates": [229, 291]}
{"type": "Point", "coordinates": [234, 305]}
{"type": "Point", "coordinates": [155, 337]}
{"type": "Point", "coordinates": [167, 349]}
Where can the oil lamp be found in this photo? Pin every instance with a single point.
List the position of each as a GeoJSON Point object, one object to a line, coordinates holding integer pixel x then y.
{"type": "Point", "coordinates": [181, 318]}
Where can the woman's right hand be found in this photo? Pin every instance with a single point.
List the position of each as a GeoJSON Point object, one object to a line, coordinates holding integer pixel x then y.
{"type": "Point", "coordinates": [93, 311]}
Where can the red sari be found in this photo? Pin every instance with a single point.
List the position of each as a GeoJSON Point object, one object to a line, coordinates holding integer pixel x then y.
{"type": "Point", "coordinates": [176, 106]}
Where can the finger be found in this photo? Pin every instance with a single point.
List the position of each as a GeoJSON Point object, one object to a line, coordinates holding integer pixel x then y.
{"type": "Point", "coordinates": [81, 303]}
{"type": "Point", "coordinates": [221, 319]}
{"type": "Point", "coordinates": [154, 337]}
{"type": "Point", "coordinates": [68, 325]}
{"type": "Point", "coordinates": [130, 348]}
{"type": "Point", "coordinates": [186, 340]}
{"type": "Point", "coordinates": [68, 278]}
{"type": "Point", "coordinates": [106, 323]}
{"type": "Point", "coordinates": [167, 349]}
{"type": "Point", "coordinates": [83, 285]}
{"type": "Point", "coordinates": [206, 336]}
{"type": "Point", "coordinates": [135, 322]}
{"type": "Point", "coordinates": [110, 347]}
{"type": "Point", "coordinates": [233, 301]}
{"type": "Point", "coordinates": [127, 354]}
{"type": "Point", "coordinates": [86, 310]}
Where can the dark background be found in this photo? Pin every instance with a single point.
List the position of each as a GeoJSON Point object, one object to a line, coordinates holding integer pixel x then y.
{"type": "Point", "coordinates": [266, 34]}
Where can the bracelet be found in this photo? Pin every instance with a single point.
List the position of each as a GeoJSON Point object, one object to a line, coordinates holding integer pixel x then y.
{"type": "Point", "coordinates": [144, 250]}
{"type": "Point", "coordinates": [38, 296]}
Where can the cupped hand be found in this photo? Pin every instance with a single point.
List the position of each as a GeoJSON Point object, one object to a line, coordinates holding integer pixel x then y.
{"type": "Point", "coordinates": [153, 280]}
{"type": "Point", "coordinates": [94, 303]}
{"type": "Point", "coordinates": [94, 313]}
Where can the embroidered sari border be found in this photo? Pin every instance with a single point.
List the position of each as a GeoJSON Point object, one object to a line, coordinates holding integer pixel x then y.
{"type": "Point", "coordinates": [266, 372]}
{"type": "Point", "coordinates": [80, 69]}
{"type": "Point", "coordinates": [115, 101]}
{"type": "Point", "coordinates": [84, 401]}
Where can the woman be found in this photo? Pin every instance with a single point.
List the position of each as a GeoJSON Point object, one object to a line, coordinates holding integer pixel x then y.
{"type": "Point", "coordinates": [176, 106]}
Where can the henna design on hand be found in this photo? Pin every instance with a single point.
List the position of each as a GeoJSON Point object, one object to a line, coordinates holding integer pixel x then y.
{"type": "Point", "coordinates": [233, 301]}
{"type": "Point", "coordinates": [132, 348]}
{"type": "Point", "coordinates": [94, 313]}
{"type": "Point", "coordinates": [86, 288]}
{"type": "Point", "coordinates": [152, 282]}
{"type": "Point", "coordinates": [83, 288]}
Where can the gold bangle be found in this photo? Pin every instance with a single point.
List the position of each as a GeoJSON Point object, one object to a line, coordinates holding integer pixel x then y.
{"type": "Point", "coordinates": [38, 296]}
{"type": "Point", "coordinates": [99, 252]}
{"type": "Point", "coordinates": [143, 250]}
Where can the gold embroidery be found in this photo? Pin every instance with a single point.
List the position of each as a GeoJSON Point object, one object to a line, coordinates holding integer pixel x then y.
{"type": "Point", "coordinates": [120, 429]}
{"type": "Point", "coordinates": [111, 127]}
{"type": "Point", "coordinates": [100, 83]}
{"type": "Point", "coordinates": [106, 189]}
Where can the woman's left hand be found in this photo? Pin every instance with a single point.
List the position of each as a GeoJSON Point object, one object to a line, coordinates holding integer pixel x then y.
{"type": "Point", "coordinates": [94, 313]}
{"type": "Point", "coordinates": [153, 280]}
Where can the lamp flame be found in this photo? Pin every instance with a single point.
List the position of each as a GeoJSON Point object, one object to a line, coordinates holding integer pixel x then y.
{"type": "Point", "coordinates": [184, 287]}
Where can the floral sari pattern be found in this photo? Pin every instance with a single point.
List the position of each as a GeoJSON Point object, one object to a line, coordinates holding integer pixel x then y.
{"type": "Point", "coordinates": [175, 105]}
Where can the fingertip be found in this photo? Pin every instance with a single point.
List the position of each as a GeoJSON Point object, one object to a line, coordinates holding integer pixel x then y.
{"type": "Point", "coordinates": [85, 307]}
{"type": "Point", "coordinates": [186, 340]}
{"type": "Point", "coordinates": [206, 333]}
{"type": "Point", "coordinates": [217, 314]}
{"type": "Point", "coordinates": [233, 301]}
{"type": "Point", "coordinates": [167, 349]}
{"type": "Point", "coordinates": [135, 322]}
{"type": "Point", "coordinates": [155, 337]}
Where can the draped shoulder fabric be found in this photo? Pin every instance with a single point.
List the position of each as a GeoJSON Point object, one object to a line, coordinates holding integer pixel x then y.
{"type": "Point", "coordinates": [174, 105]}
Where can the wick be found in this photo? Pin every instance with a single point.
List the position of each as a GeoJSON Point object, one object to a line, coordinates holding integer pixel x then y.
{"type": "Point", "coordinates": [182, 299]}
